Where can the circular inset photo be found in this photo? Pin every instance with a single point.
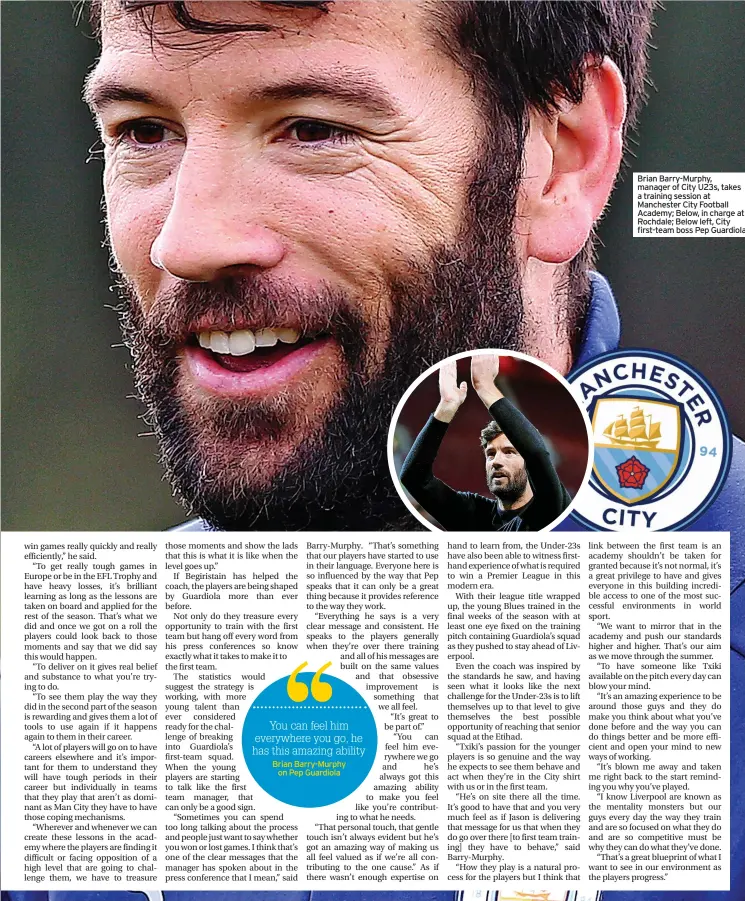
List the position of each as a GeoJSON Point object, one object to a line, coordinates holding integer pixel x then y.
{"type": "Point", "coordinates": [489, 441]}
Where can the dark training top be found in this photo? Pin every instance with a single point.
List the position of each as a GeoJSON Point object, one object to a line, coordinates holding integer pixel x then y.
{"type": "Point", "coordinates": [468, 512]}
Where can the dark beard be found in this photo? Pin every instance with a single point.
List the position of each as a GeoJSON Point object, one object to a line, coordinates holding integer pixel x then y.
{"type": "Point", "coordinates": [466, 298]}
{"type": "Point", "coordinates": [510, 492]}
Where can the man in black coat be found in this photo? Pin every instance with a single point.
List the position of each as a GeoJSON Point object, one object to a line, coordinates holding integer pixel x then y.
{"type": "Point", "coordinates": [519, 473]}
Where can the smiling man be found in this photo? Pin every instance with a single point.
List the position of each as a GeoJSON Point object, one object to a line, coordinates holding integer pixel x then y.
{"type": "Point", "coordinates": [309, 203]}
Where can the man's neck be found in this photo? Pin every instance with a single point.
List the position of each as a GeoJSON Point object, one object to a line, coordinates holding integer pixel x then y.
{"type": "Point", "coordinates": [514, 506]}
{"type": "Point", "coordinates": [551, 321]}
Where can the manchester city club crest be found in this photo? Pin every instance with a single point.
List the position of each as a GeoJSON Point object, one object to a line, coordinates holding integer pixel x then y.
{"type": "Point", "coordinates": [661, 442]}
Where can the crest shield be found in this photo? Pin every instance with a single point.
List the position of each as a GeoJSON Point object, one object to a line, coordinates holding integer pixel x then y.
{"type": "Point", "coordinates": [636, 446]}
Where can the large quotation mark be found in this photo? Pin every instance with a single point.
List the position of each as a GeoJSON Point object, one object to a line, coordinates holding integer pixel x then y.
{"type": "Point", "coordinates": [298, 691]}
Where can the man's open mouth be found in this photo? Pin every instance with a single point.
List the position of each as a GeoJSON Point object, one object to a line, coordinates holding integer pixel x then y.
{"type": "Point", "coordinates": [246, 350]}
{"type": "Point", "coordinates": [246, 361]}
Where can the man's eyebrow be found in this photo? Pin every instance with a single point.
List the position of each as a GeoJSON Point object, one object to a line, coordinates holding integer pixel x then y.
{"type": "Point", "coordinates": [344, 86]}
{"type": "Point", "coordinates": [99, 93]}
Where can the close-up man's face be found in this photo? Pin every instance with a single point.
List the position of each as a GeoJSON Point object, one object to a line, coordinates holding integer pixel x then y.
{"type": "Point", "coordinates": [506, 475]}
{"type": "Point", "coordinates": [288, 210]}
{"type": "Point", "coordinates": [306, 214]}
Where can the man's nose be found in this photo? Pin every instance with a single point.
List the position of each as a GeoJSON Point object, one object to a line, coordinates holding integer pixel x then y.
{"type": "Point", "coordinates": [213, 228]}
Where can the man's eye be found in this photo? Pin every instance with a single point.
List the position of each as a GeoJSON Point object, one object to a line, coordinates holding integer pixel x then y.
{"type": "Point", "coordinates": [145, 133]}
{"type": "Point", "coordinates": [311, 131]}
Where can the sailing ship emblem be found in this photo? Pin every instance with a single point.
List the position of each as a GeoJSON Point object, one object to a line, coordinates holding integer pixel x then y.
{"type": "Point", "coordinates": [636, 430]}
{"type": "Point", "coordinates": [637, 446]}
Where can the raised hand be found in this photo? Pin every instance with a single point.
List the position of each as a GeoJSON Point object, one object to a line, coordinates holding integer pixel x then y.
{"type": "Point", "coordinates": [484, 370]}
{"type": "Point", "coordinates": [452, 395]}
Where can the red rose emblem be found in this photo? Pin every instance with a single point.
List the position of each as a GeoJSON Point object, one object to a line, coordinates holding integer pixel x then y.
{"type": "Point", "coordinates": [632, 473]}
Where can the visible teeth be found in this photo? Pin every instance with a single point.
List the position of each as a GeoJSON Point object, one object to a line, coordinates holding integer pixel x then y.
{"type": "Point", "coordinates": [242, 342]}
{"type": "Point", "coordinates": [266, 337]}
{"type": "Point", "coordinates": [219, 342]}
{"type": "Point", "coordinates": [288, 335]}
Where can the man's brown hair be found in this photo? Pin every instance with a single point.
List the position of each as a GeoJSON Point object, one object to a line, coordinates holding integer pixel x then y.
{"type": "Point", "coordinates": [489, 433]}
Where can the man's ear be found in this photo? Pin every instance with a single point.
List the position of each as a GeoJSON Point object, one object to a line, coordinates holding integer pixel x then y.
{"type": "Point", "coordinates": [571, 162]}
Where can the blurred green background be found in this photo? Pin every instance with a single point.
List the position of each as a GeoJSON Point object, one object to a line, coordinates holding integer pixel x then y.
{"type": "Point", "coordinates": [71, 455]}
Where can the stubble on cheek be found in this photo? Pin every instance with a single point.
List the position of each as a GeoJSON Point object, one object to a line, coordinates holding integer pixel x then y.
{"type": "Point", "coordinates": [234, 446]}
